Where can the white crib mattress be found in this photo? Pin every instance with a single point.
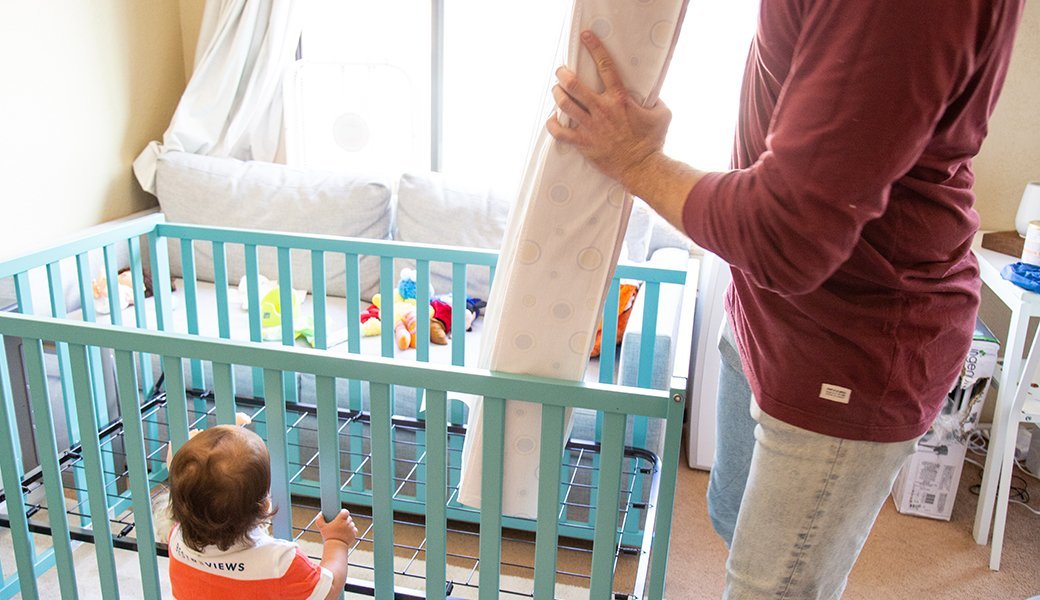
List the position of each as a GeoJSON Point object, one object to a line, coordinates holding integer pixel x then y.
{"type": "Point", "coordinates": [562, 243]}
{"type": "Point", "coordinates": [336, 315]}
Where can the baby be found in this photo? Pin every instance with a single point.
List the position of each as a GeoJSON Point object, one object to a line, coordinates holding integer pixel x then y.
{"type": "Point", "coordinates": [220, 483]}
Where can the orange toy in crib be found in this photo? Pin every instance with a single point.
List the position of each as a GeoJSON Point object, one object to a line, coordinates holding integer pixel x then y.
{"type": "Point", "coordinates": [404, 330]}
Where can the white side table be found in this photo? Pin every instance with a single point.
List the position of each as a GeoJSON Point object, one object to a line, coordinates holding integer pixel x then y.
{"type": "Point", "coordinates": [1024, 305]}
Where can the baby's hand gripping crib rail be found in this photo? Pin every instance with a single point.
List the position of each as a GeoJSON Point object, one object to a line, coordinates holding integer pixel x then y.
{"type": "Point", "coordinates": [348, 431]}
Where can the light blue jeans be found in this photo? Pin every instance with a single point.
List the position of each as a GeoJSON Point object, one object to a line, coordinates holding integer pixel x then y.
{"type": "Point", "coordinates": [794, 506]}
{"type": "Point", "coordinates": [734, 441]}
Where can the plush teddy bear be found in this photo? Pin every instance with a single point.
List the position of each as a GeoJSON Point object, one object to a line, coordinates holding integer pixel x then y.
{"type": "Point", "coordinates": [405, 314]}
{"type": "Point", "coordinates": [100, 289]}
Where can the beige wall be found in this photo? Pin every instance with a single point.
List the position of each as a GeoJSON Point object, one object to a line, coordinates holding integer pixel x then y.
{"type": "Point", "coordinates": [85, 86]}
{"type": "Point", "coordinates": [191, 21]}
{"type": "Point", "coordinates": [1010, 156]}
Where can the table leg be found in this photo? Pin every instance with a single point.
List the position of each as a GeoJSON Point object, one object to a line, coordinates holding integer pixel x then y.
{"type": "Point", "coordinates": [1010, 374]}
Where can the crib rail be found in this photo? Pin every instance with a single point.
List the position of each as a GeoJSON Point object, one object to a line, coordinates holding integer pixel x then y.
{"type": "Point", "coordinates": [202, 388]}
{"type": "Point", "coordinates": [381, 374]}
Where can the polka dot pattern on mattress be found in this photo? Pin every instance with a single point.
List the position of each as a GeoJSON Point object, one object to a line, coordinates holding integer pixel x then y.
{"type": "Point", "coordinates": [561, 245]}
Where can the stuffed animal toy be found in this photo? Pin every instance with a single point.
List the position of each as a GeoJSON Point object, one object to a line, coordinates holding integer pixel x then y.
{"type": "Point", "coordinates": [100, 288]}
{"type": "Point", "coordinates": [440, 321]}
{"type": "Point", "coordinates": [626, 300]}
{"type": "Point", "coordinates": [370, 323]}
{"type": "Point", "coordinates": [404, 326]}
{"type": "Point", "coordinates": [406, 285]}
{"type": "Point", "coordinates": [473, 308]}
{"type": "Point", "coordinates": [405, 320]}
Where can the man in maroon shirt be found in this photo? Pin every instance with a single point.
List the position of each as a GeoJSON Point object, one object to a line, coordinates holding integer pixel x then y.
{"type": "Point", "coordinates": [847, 221]}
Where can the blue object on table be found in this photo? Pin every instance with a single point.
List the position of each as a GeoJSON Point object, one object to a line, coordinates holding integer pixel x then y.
{"type": "Point", "coordinates": [1023, 275]}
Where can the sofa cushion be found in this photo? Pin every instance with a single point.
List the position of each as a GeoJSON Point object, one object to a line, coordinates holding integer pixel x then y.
{"type": "Point", "coordinates": [435, 209]}
{"type": "Point", "coordinates": [226, 192]}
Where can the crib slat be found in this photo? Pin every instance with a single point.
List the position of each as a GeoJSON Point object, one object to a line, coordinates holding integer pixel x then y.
{"type": "Point", "coordinates": [159, 253]}
{"type": "Point", "coordinates": [382, 490]}
{"type": "Point", "coordinates": [140, 317]}
{"type": "Point", "coordinates": [353, 281]}
{"type": "Point", "coordinates": [386, 305]}
{"type": "Point", "coordinates": [422, 333]}
{"type": "Point", "coordinates": [422, 311]}
{"type": "Point", "coordinates": [277, 445]}
{"type": "Point", "coordinates": [220, 285]}
{"type": "Point", "coordinates": [328, 446]}
{"type": "Point", "coordinates": [191, 306]}
{"type": "Point", "coordinates": [354, 399]}
{"type": "Point", "coordinates": [318, 299]}
{"type": "Point", "coordinates": [435, 493]}
{"type": "Point", "coordinates": [137, 465]}
{"type": "Point", "coordinates": [176, 402]}
{"type": "Point", "coordinates": [23, 293]}
{"type": "Point", "coordinates": [86, 292]}
{"type": "Point", "coordinates": [605, 542]}
{"type": "Point", "coordinates": [608, 337]}
{"type": "Point", "coordinates": [458, 314]}
{"type": "Point", "coordinates": [57, 296]}
{"type": "Point", "coordinates": [47, 444]}
{"type": "Point", "coordinates": [112, 285]}
{"type": "Point", "coordinates": [666, 495]}
{"type": "Point", "coordinates": [286, 295]}
{"type": "Point", "coordinates": [97, 377]}
{"type": "Point", "coordinates": [253, 304]}
{"type": "Point", "coordinates": [224, 393]}
{"type": "Point", "coordinates": [57, 300]}
{"type": "Point", "coordinates": [491, 496]}
{"type": "Point", "coordinates": [97, 500]}
{"type": "Point", "coordinates": [23, 297]}
{"type": "Point", "coordinates": [458, 340]}
{"type": "Point", "coordinates": [652, 293]}
{"type": "Point", "coordinates": [288, 336]}
{"type": "Point", "coordinates": [644, 379]}
{"type": "Point", "coordinates": [11, 476]}
{"type": "Point", "coordinates": [548, 501]}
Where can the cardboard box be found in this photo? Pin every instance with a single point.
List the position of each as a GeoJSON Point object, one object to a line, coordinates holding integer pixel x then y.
{"type": "Point", "coordinates": [968, 395]}
{"type": "Point", "coordinates": [927, 484]}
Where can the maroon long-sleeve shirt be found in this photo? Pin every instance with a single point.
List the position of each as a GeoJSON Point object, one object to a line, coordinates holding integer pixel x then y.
{"type": "Point", "coordinates": [849, 217]}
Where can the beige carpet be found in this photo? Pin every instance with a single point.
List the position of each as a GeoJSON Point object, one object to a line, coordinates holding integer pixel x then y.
{"type": "Point", "coordinates": [904, 557]}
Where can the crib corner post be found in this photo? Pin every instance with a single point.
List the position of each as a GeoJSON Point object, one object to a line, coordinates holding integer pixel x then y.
{"type": "Point", "coordinates": [11, 478]}
{"type": "Point", "coordinates": [666, 494]}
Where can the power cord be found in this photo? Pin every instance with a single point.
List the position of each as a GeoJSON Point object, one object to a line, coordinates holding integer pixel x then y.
{"type": "Point", "coordinates": [978, 443]}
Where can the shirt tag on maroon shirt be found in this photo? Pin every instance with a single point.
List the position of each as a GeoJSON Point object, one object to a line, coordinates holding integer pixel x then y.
{"type": "Point", "coordinates": [835, 393]}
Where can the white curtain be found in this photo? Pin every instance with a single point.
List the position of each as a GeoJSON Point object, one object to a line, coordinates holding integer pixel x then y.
{"type": "Point", "coordinates": [232, 105]}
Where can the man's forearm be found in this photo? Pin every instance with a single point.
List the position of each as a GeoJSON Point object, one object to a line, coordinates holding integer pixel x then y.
{"type": "Point", "coordinates": [664, 184]}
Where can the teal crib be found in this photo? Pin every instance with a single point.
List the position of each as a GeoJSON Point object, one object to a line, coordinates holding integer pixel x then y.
{"type": "Point", "coordinates": [91, 403]}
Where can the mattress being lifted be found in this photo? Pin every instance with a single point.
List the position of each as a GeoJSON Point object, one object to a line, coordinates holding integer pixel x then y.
{"type": "Point", "coordinates": [561, 246]}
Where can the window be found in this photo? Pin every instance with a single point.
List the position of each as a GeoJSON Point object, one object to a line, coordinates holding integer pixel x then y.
{"type": "Point", "coordinates": [361, 97]}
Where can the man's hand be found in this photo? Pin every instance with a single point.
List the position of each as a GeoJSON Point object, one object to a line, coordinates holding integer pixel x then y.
{"type": "Point", "coordinates": [621, 138]}
{"type": "Point", "coordinates": [610, 129]}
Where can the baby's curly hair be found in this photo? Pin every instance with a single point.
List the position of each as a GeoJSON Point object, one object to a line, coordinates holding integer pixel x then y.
{"type": "Point", "coordinates": [220, 481]}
